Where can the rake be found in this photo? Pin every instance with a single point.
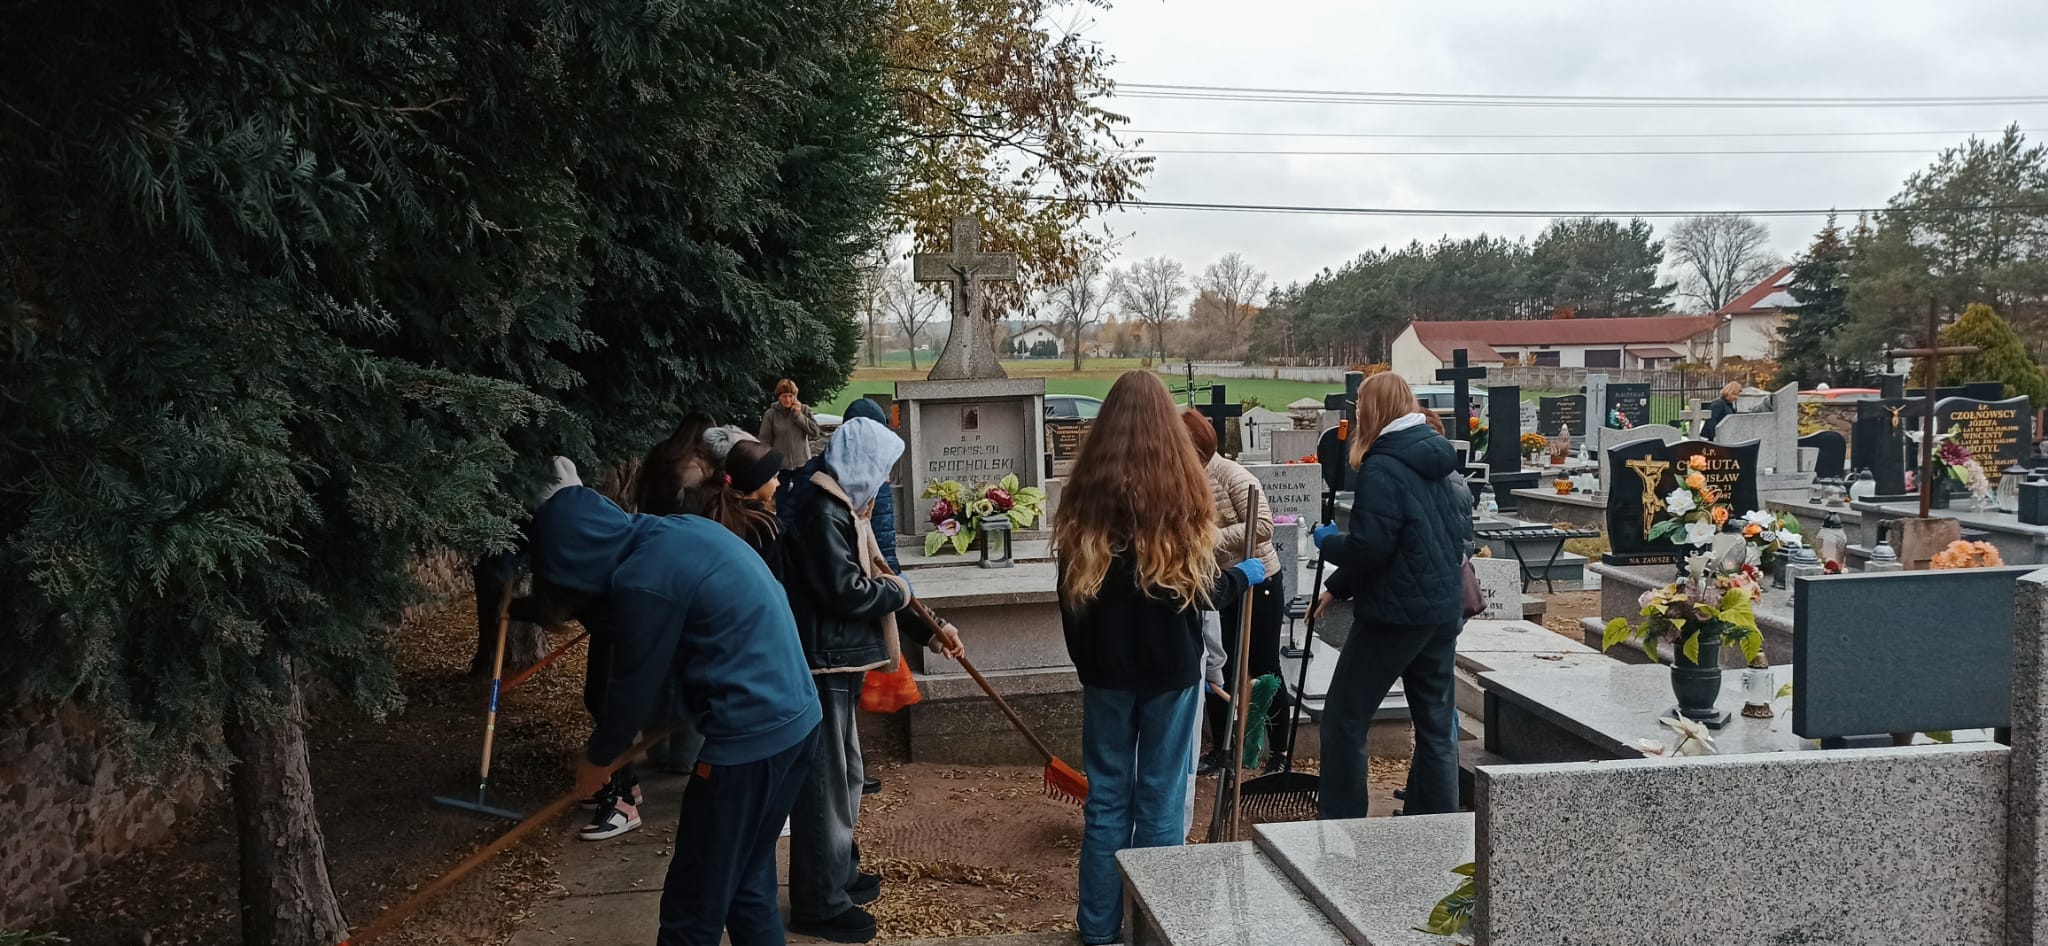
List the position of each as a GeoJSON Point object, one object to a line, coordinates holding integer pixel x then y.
{"type": "Point", "coordinates": [482, 805]}
{"type": "Point", "coordinates": [1288, 795]}
{"type": "Point", "coordinates": [1223, 823]}
{"type": "Point", "coordinates": [1062, 781]}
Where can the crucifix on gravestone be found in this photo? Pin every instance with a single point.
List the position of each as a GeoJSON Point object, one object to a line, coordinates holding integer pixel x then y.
{"type": "Point", "coordinates": [1929, 357]}
{"type": "Point", "coordinates": [1219, 414]}
{"type": "Point", "coordinates": [1461, 374]}
{"type": "Point", "coordinates": [970, 348]}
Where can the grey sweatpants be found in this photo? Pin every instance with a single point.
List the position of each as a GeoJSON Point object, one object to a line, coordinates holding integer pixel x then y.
{"type": "Point", "coordinates": [822, 863]}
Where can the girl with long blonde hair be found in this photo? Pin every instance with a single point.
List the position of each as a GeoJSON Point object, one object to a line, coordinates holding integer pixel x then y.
{"type": "Point", "coordinates": [1135, 540]}
{"type": "Point", "coordinates": [1401, 560]}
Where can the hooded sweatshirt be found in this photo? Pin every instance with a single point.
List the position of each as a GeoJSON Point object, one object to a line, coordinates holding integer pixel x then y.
{"type": "Point", "coordinates": [679, 598]}
{"type": "Point", "coordinates": [1402, 558]}
{"type": "Point", "coordinates": [884, 518]}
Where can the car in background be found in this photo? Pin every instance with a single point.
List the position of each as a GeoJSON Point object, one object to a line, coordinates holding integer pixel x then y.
{"type": "Point", "coordinates": [1072, 407]}
{"type": "Point", "coordinates": [1442, 398]}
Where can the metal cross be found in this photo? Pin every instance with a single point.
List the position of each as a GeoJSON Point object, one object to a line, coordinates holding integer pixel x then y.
{"type": "Point", "coordinates": [1461, 373]}
{"type": "Point", "coordinates": [1929, 357]}
{"type": "Point", "coordinates": [1219, 413]}
{"type": "Point", "coordinates": [1651, 472]}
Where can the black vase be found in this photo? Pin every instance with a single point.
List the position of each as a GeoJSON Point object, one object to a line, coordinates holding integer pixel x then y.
{"type": "Point", "coordinates": [1698, 685]}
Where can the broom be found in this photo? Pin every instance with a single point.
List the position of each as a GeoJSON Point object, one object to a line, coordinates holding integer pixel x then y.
{"type": "Point", "coordinates": [1288, 795]}
{"type": "Point", "coordinates": [1062, 781]}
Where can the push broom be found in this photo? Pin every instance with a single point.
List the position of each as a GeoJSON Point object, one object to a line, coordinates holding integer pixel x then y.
{"type": "Point", "coordinates": [1062, 781]}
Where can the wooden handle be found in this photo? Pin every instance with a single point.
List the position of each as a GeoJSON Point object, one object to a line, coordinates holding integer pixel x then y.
{"type": "Point", "coordinates": [1004, 705]}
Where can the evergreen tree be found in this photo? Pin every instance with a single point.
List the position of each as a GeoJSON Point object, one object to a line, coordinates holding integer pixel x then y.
{"type": "Point", "coordinates": [1809, 337]}
{"type": "Point", "coordinates": [1600, 267]}
{"type": "Point", "coordinates": [296, 294]}
{"type": "Point", "coordinates": [2003, 356]}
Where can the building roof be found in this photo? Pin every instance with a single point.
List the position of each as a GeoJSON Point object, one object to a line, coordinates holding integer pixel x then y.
{"type": "Point", "coordinates": [1480, 339]}
{"type": "Point", "coordinates": [1768, 297]}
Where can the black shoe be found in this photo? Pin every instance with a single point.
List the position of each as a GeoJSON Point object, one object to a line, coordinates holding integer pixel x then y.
{"type": "Point", "coordinates": [865, 889]}
{"type": "Point", "coordinates": [871, 786]}
{"type": "Point", "coordinates": [1213, 764]}
{"type": "Point", "coordinates": [853, 926]}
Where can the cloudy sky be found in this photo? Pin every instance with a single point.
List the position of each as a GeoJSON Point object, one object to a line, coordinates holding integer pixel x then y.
{"type": "Point", "coordinates": [1555, 47]}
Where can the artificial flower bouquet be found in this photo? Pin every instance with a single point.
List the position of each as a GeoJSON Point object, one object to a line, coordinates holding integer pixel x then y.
{"type": "Point", "coordinates": [1697, 511]}
{"type": "Point", "coordinates": [957, 511]}
{"type": "Point", "coordinates": [1716, 597]}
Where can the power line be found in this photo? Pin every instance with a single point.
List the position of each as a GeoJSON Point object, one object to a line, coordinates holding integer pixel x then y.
{"type": "Point", "coordinates": [1468, 98]}
{"type": "Point", "coordinates": [1671, 104]}
{"type": "Point", "coordinates": [1517, 154]}
{"type": "Point", "coordinates": [1550, 135]}
{"type": "Point", "coordinates": [1505, 213]}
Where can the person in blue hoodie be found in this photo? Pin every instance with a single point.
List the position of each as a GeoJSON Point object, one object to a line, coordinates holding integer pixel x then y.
{"type": "Point", "coordinates": [681, 599]}
{"type": "Point", "coordinates": [1401, 561]}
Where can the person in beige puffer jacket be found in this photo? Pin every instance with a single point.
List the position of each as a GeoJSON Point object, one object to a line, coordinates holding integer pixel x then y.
{"type": "Point", "coordinates": [1231, 486]}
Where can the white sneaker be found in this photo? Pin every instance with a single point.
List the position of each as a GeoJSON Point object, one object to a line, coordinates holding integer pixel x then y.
{"type": "Point", "coordinates": [785, 827]}
{"type": "Point", "coordinates": [612, 820]}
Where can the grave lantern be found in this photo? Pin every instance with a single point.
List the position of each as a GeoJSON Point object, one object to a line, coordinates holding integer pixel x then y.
{"type": "Point", "coordinates": [2009, 488]}
{"type": "Point", "coordinates": [995, 542]}
{"type": "Point", "coordinates": [1833, 541]}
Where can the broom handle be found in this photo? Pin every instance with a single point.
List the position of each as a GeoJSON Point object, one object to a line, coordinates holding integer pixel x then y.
{"type": "Point", "coordinates": [391, 918]}
{"type": "Point", "coordinates": [1315, 593]}
{"type": "Point", "coordinates": [497, 678]}
{"type": "Point", "coordinates": [925, 613]}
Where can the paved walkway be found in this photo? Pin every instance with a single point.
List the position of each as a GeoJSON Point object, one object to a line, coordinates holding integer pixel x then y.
{"type": "Point", "coordinates": [611, 890]}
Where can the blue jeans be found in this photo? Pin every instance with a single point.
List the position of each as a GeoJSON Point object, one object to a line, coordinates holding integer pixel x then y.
{"type": "Point", "coordinates": [1424, 658]}
{"type": "Point", "coordinates": [1138, 749]}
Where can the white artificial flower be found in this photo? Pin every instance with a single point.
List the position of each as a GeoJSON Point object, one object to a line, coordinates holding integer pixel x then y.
{"type": "Point", "coordinates": [1644, 600]}
{"type": "Point", "coordinates": [1700, 533]}
{"type": "Point", "coordinates": [1790, 539]}
{"type": "Point", "coordinates": [1679, 502]}
{"type": "Point", "coordinates": [1761, 520]}
{"type": "Point", "coordinates": [1652, 748]}
{"type": "Point", "coordinates": [1693, 736]}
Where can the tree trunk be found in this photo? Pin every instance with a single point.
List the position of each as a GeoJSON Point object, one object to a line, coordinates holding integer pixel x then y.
{"type": "Point", "coordinates": [286, 899]}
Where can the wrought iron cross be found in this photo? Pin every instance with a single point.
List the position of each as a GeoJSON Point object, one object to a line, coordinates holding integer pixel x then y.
{"type": "Point", "coordinates": [1219, 413]}
{"type": "Point", "coordinates": [1929, 357]}
{"type": "Point", "coordinates": [1461, 374]}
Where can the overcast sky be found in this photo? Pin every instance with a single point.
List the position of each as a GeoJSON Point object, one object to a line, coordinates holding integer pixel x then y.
{"type": "Point", "coordinates": [1565, 47]}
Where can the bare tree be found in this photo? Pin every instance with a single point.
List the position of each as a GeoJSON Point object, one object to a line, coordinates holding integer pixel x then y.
{"type": "Point", "coordinates": [910, 306]}
{"type": "Point", "coordinates": [874, 282]}
{"type": "Point", "coordinates": [1077, 302]}
{"type": "Point", "coordinates": [1150, 291]}
{"type": "Point", "coordinates": [1234, 282]}
{"type": "Point", "coordinates": [1717, 257]}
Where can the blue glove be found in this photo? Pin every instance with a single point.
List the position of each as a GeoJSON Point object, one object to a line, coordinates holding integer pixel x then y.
{"type": "Point", "coordinates": [1323, 533]}
{"type": "Point", "coordinates": [1253, 569]}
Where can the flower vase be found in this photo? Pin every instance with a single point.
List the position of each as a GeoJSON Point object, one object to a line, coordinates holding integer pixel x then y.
{"type": "Point", "coordinates": [1698, 685]}
{"type": "Point", "coordinates": [1944, 493]}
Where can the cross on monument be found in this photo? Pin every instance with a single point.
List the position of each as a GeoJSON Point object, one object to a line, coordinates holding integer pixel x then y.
{"type": "Point", "coordinates": [1651, 472]}
{"type": "Point", "coordinates": [1346, 402]}
{"type": "Point", "coordinates": [1695, 418]}
{"type": "Point", "coordinates": [970, 347]}
{"type": "Point", "coordinates": [1461, 373]}
{"type": "Point", "coordinates": [1929, 357]}
{"type": "Point", "coordinates": [1219, 414]}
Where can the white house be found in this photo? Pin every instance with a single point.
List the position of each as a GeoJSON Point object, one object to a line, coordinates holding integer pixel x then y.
{"type": "Point", "coordinates": [1560, 342]}
{"type": "Point", "coordinates": [1038, 332]}
{"type": "Point", "coordinates": [1755, 317]}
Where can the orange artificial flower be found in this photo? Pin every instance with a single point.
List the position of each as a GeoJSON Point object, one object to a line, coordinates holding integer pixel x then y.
{"type": "Point", "coordinates": [1708, 494]}
{"type": "Point", "coordinates": [1698, 461]}
{"type": "Point", "coordinates": [1696, 481]}
{"type": "Point", "coordinates": [1720, 515]}
{"type": "Point", "coordinates": [1752, 530]}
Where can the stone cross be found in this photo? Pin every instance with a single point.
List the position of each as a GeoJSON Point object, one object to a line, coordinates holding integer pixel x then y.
{"type": "Point", "coordinates": [1695, 418]}
{"type": "Point", "coordinates": [1219, 414]}
{"type": "Point", "coordinates": [970, 348]}
{"type": "Point", "coordinates": [1929, 357]}
{"type": "Point", "coordinates": [1461, 374]}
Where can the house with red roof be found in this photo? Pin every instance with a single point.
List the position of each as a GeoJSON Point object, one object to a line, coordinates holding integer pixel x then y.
{"type": "Point", "coordinates": [1559, 342]}
{"type": "Point", "coordinates": [1756, 316]}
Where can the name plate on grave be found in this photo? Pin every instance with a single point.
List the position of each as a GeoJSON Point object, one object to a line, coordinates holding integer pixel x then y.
{"type": "Point", "coordinates": [1997, 433]}
{"type": "Point", "coordinates": [974, 443]}
{"type": "Point", "coordinates": [1291, 489]}
{"type": "Point", "coordinates": [1064, 438]}
{"type": "Point", "coordinates": [1553, 414]}
{"type": "Point", "coordinates": [1628, 405]}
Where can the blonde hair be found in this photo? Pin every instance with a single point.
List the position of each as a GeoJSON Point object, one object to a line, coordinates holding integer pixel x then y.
{"type": "Point", "coordinates": [1138, 487]}
{"type": "Point", "coordinates": [1382, 399]}
{"type": "Point", "coordinates": [1731, 389]}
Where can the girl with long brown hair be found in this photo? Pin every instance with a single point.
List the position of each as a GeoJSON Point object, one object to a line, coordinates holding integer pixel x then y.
{"type": "Point", "coordinates": [1401, 560]}
{"type": "Point", "coordinates": [1135, 540]}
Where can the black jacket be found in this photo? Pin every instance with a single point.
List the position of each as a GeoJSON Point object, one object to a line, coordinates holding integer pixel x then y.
{"type": "Point", "coordinates": [838, 609]}
{"type": "Point", "coordinates": [1722, 407]}
{"type": "Point", "coordinates": [1402, 558]}
{"type": "Point", "coordinates": [1126, 639]}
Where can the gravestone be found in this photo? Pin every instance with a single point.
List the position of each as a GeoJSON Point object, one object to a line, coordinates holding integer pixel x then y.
{"type": "Point", "coordinates": [1500, 584]}
{"type": "Point", "coordinates": [1291, 489]}
{"type": "Point", "coordinates": [970, 347]}
{"type": "Point", "coordinates": [1626, 402]}
{"type": "Point", "coordinates": [1775, 430]}
{"type": "Point", "coordinates": [1554, 414]}
{"type": "Point", "coordinates": [1257, 427]}
{"type": "Point", "coordinates": [971, 432]}
{"type": "Point", "coordinates": [1286, 445]}
{"type": "Point", "coordinates": [1832, 460]}
{"type": "Point", "coordinates": [1461, 374]}
{"type": "Point", "coordinates": [1694, 419]}
{"type": "Point", "coordinates": [1504, 429]}
{"type": "Point", "coordinates": [1220, 415]}
{"type": "Point", "coordinates": [1998, 433]}
{"type": "Point", "coordinates": [1879, 433]}
{"type": "Point", "coordinates": [1528, 411]}
{"type": "Point", "coordinates": [1596, 404]}
{"type": "Point", "coordinates": [1646, 471]}
{"type": "Point", "coordinates": [1063, 440]}
{"type": "Point", "coordinates": [1662, 433]}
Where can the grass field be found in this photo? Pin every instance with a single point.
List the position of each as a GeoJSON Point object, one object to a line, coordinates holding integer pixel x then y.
{"type": "Point", "coordinates": [1093, 380]}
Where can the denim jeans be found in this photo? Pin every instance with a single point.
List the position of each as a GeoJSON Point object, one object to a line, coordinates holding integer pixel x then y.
{"type": "Point", "coordinates": [1138, 749]}
{"type": "Point", "coordinates": [821, 855]}
{"type": "Point", "coordinates": [1423, 657]}
{"type": "Point", "coordinates": [722, 877]}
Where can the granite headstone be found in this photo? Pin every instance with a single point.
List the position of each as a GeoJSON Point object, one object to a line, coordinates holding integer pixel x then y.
{"type": "Point", "coordinates": [1997, 433]}
{"type": "Point", "coordinates": [1832, 459]}
{"type": "Point", "coordinates": [1504, 429]}
{"type": "Point", "coordinates": [1646, 472]}
{"type": "Point", "coordinates": [1626, 402]}
{"type": "Point", "coordinates": [1553, 414]}
{"type": "Point", "coordinates": [1291, 489]}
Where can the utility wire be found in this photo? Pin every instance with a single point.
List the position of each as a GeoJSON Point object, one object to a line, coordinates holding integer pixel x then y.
{"type": "Point", "coordinates": [1418, 212]}
{"type": "Point", "coordinates": [1660, 101]}
{"type": "Point", "coordinates": [1549, 135]}
{"type": "Point", "coordinates": [1498, 154]}
{"type": "Point", "coordinates": [1300, 100]}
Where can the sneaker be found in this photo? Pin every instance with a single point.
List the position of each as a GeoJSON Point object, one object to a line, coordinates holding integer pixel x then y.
{"type": "Point", "coordinates": [617, 817]}
{"type": "Point", "coordinates": [865, 889]}
{"type": "Point", "coordinates": [1213, 764]}
{"type": "Point", "coordinates": [870, 786]}
{"type": "Point", "coordinates": [854, 926]}
{"type": "Point", "coordinates": [599, 798]}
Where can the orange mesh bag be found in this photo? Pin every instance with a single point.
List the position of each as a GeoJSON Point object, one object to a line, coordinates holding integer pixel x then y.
{"type": "Point", "coordinates": [886, 691]}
